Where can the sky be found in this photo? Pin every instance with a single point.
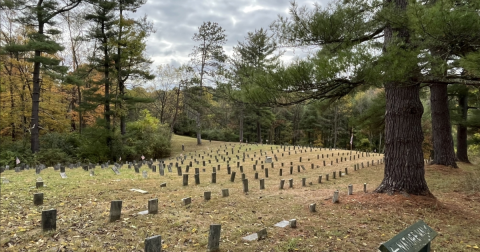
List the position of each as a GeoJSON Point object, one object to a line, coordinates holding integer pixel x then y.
{"type": "Point", "coordinates": [175, 22]}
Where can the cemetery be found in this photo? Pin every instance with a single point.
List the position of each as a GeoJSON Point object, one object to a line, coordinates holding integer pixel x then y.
{"type": "Point", "coordinates": [225, 196]}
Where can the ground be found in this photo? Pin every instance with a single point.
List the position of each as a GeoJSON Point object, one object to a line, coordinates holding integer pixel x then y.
{"type": "Point", "coordinates": [359, 222]}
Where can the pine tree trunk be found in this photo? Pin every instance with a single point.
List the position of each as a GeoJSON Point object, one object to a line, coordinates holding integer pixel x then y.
{"type": "Point", "coordinates": [259, 132]}
{"type": "Point", "coordinates": [441, 127]}
{"type": "Point", "coordinates": [106, 72]}
{"type": "Point", "coordinates": [34, 127]}
{"type": "Point", "coordinates": [335, 127]}
{"type": "Point", "coordinates": [199, 130]}
{"type": "Point", "coordinates": [12, 108]}
{"type": "Point", "coordinates": [404, 167]}
{"type": "Point", "coordinates": [240, 134]}
{"type": "Point", "coordinates": [462, 147]}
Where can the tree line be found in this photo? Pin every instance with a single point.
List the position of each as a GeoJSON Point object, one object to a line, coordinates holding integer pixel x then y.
{"type": "Point", "coordinates": [386, 76]}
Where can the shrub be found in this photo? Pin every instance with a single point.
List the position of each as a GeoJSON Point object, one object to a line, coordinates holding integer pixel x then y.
{"type": "Point", "coordinates": [50, 157]}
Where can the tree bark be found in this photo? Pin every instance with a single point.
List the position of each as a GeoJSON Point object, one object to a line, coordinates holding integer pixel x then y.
{"type": "Point", "coordinates": [335, 119]}
{"type": "Point", "coordinates": [34, 127]}
{"type": "Point", "coordinates": [462, 147]}
{"type": "Point", "coordinates": [441, 127]}
{"type": "Point", "coordinates": [404, 167]}
{"type": "Point", "coordinates": [240, 134]}
{"type": "Point", "coordinates": [259, 132]}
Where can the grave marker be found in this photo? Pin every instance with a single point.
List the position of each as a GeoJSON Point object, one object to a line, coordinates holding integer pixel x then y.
{"type": "Point", "coordinates": [187, 201]}
{"type": "Point", "coordinates": [153, 206]}
{"type": "Point", "coordinates": [153, 244]}
{"type": "Point", "coordinates": [114, 169]}
{"type": "Point", "coordinates": [49, 220]}
{"type": "Point", "coordinates": [115, 210]}
{"type": "Point", "coordinates": [214, 238]}
{"type": "Point", "coordinates": [38, 199]}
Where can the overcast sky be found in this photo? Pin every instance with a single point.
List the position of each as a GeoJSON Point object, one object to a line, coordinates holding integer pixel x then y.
{"type": "Point", "coordinates": [176, 21]}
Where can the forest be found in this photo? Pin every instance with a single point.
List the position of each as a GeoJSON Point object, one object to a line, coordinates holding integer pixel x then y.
{"type": "Point", "coordinates": [76, 84]}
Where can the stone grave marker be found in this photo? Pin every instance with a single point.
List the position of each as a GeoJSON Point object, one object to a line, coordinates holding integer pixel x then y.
{"type": "Point", "coordinates": [115, 210]}
{"type": "Point", "coordinates": [138, 190]}
{"type": "Point", "coordinates": [282, 224]}
{"type": "Point", "coordinates": [114, 169]}
{"type": "Point", "coordinates": [153, 206]}
{"type": "Point", "coordinates": [38, 199]}
{"type": "Point", "coordinates": [214, 238]}
{"type": "Point", "coordinates": [187, 201]}
{"type": "Point", "coordinates": [144, 174]}
{"type": "Point", "coordinates": [49, 220]}
{"type": "Point", "coordinates": [153, 244]}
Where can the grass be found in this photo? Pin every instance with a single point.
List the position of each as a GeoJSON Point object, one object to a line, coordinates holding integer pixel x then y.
{"type": "Point", "coordinates": [360, 222]}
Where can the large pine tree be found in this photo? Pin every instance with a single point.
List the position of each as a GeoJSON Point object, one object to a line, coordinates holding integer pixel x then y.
{"type": "Point", "coordinates": [41, 15]}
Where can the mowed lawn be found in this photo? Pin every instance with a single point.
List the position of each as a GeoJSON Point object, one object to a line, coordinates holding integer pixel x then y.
{"type": "Point", "coordinates": [359, 222]}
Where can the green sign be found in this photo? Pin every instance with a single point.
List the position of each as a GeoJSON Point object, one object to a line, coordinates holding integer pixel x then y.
{"type": "Point", "coordinates": [415, 238]}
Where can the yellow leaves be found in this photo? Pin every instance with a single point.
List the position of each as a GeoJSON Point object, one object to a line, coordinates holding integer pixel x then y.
{"type": "Point", "coordinates": [164, 246]}
{"type": "Point", "coordinates": [61, 204]}
{"type": "Point", "coordinates": [470, 246]}
{"type": "Point", "coordinates": [194, 230]}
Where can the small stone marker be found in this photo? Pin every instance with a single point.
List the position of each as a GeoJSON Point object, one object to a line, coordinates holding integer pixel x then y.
{"type": "Point", "coordinates": [282, 224]}
{"type": "Point", "coordinates": [197, 178]}
{"type": "Point", "coordinates": [268, 160]}
{"type": "Point", "coordinates": [293, 223]}
{"type": "Point", "coordinates": [49, 220]}
{"type": "Point", "coordinates": [187, 201]}
{"type": "Point", "coordinates": [335, 197]}
{"type": "Point", "coordinates": [39, 184]}
{"type": "Point", "coordinates": [251, 237]}
{"type": "Point", "coordinates": [282, 183]}
{"type": "Point", "coordinates": [320, 179]}
{"type": "Point", "coordinates": [138, 190]}
{"type": "Point", "coordinates": [415, 238]}
{"type": "Point", "coordinates": [92, 173]}
{"type": "Point", "coordinates": [207, 195]}
{"type": "Point", "coordinates": [290, 183]}
{"type": "Point", "coordinates": [153, 244]}
{"type": "Point", "coordinates": [262, 234]}
{"type": "Point", "coordinates": [144, 174]}
{"type": "Point", "coordinates": [214, 238]}
{"type": "Point", "coordinates": [5, 181]}
{"type": "Point", "coordinates": [114, 169]}
{"type": "Point", "coordinates": [185, 179]}
{"type": "Point", "coordinates": [163, 184]}
{"type": "Point", "coordinates": [350, 189]}
{"type": "Point", "coordinates": [311, 207]}
{"type": "Point", "coordinates": [262, 184]}
{"type": "Point", "coordinates": [232, 177]}
{"type": "Point", "coordinates": [365, 187]}
{"type": "Point", "coordinates": [153, 206]}
{"type": "Point", "coordinates": [304, 181]}
{"type": "Point", "coordinates": [245, 185]}
{"type": "Point", "coordinates": [63, 175]}
{"type": "Point", "coordinates": [225, 193]}
{"type": "Point", "coordinates": [38, 199]}
{"type": "Point", "coordinates": [115, 210]}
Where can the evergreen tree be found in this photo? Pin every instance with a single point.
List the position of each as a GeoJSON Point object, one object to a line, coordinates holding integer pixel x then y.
{"type": "Point", "coordinates": [256, 56]}
{"type": "Point", "coordinates": [103, 19]}
{"type": "Point", "coordinates": [207, 58]}
{"type": "Point", "coordinates": [41, 15]}
{"type": "Point", "coordinates": [130, 61]}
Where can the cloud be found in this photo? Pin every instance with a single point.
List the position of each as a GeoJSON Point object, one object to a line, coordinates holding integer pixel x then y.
{"type": "Point", "coordinates": [175, 22]}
